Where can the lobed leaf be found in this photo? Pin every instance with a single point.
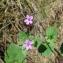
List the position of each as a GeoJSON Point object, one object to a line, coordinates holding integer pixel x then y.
{"type": "Point", "coordinates": [14, 54]}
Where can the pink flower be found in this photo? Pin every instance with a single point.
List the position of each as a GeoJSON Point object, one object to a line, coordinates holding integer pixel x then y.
{"type": "Point", "coordinates": [28, 20]}
{"type": "Point", "coordinates": [28, 44]}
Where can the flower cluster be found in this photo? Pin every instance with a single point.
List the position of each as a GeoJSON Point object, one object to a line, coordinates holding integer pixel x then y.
{"type": "Point", "coordinates": [28, 20]}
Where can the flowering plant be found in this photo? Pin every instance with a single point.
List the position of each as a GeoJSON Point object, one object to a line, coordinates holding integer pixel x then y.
{"type": "Point", "coordinates": [26, 41]}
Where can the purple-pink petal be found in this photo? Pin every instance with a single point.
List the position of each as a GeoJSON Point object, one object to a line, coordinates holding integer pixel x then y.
{"type": "Point", "coordinates": [27, 23]}
{"type": "Point", "coordinates": [30, 17]}
{"type": "Point", "coordinates": [27, 16]}
{"type": "Point", "coordinates": [30, 47]}
{"type": "Point", "coordinates": [26, 20]}
{"type": "Point", "coordinates": [30, 22]}
{"type": "Point", "coordinates": [28, 44]}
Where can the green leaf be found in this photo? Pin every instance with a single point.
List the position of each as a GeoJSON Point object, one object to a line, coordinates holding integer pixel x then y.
{"type": "Point", "coordinates": [22, 36]}
{"type": "Point", "coordinates": [47, 48]}
{"type": "Point", "coordinates": [37, 41]}
{"type": "Point", "coordinates": [48, 51]}
{"type": "Point", "coordinates": [51, 33]}
{"type": "Point", "coordinates": [14, 54]}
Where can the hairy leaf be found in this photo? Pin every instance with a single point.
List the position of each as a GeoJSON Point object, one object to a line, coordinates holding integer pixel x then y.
{"type": "Point", "coordinates": [51, 36]}
{"type": "Point", "coordinates": [14, 54]}
{"type": "Point", "coordinates": [51, 33]}
{"type": "Point", "coordinates": [22, 36]}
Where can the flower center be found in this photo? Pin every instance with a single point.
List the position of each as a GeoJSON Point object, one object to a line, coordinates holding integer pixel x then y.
{"type": "Point", "coordinates": [28, 44]}
{"type": "Point", "coordinates": [29, 19]}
